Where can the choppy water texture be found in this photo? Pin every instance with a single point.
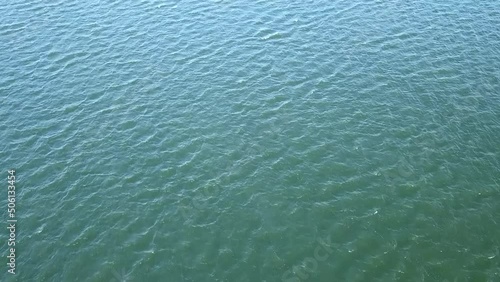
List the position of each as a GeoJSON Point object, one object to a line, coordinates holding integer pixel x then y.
{"type": "Point", "coordinates": [252, 140]}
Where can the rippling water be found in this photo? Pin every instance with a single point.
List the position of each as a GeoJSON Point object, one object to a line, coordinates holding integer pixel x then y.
{"type": "Point", "coordinates": [252, 140]}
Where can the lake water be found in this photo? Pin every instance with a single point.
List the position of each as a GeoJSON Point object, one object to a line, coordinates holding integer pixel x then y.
{"type": "Point", "coordinates": [252, 140]}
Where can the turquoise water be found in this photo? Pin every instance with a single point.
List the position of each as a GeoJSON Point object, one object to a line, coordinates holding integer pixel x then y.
{"type": "Point", "coordinates": [252, 140]}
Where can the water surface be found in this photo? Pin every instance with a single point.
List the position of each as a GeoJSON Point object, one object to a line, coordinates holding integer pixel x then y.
{"type": "Point", "coordinates": [252, 140]}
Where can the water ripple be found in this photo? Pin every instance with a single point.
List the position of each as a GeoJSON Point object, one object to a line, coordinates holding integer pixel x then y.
{"type": "Point", "coordinates": [226, 141]}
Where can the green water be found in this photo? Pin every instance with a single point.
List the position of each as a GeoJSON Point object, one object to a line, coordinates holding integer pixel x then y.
{"type": "Point", "coordinates": [251, 140]}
